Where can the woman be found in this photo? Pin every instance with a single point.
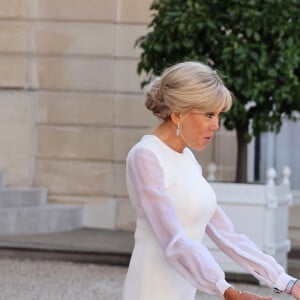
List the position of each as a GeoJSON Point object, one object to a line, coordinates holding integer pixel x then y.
{"type": "Point", "coordinates": [175, 205]}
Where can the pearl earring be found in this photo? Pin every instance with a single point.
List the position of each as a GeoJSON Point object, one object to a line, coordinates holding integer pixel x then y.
{"type": "Point", "coordinates": [177, 130]}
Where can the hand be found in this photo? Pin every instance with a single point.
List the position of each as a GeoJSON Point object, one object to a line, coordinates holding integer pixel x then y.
{"type": "Point", "coordinates": [233, 294]}
{"type": "Point", "coordinates": [296, 290]}
{"type": "Point", "coordinates": [252, 296]}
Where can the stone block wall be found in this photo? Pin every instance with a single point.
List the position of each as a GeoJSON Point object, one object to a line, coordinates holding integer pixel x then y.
{"type": "Point", "coordinates": [71, 103]}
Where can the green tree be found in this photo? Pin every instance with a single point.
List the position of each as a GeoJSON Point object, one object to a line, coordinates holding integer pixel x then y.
{"type": "Point", "coordinates": [254, 44]}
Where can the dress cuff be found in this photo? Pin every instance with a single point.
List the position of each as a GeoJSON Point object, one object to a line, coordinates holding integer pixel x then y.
{"type": "Point", "coordinates": [222, 286]}
{"type": "Point", "coordinates": [282, 282]}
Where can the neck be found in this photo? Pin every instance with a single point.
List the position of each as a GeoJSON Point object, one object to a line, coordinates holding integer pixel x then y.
{"type": "Point", "coordinates": [166, 132]}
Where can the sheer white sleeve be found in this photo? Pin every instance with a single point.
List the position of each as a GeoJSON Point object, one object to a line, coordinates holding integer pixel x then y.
{"type": "Point", "coordinates": [242, 250]}
{"type": "Point", "coordinates": [190, 258]}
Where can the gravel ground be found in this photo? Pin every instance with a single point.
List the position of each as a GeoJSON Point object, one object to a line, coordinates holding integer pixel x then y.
{"type": "Point", "coordinates": [23, 279]}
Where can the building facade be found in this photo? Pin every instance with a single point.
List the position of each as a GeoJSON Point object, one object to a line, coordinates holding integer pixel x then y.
{"type": "Point", "coordinates": [72, 106]}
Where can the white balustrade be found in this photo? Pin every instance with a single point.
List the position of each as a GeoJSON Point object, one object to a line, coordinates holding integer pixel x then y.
{"type": "Point", "coordinates": [261, 211]}
{"type": "Point", "coordinates": [212, 169]}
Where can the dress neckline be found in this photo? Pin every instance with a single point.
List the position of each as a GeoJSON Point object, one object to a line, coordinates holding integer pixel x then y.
{"type": "Point", "coordinates": [171, 150]}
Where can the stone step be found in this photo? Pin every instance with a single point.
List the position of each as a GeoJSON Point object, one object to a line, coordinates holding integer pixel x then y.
{"type": "Point", "coordinates": [40, 219]}
{"type": "Point", "coordinates": [22, 197]}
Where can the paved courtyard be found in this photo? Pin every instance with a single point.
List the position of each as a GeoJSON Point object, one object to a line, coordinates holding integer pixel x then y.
{"type": "Point", "coordinates": [24, 279]}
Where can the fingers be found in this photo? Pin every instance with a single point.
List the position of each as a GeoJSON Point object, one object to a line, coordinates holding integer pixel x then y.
{"type": "Point", "coordinates": [234, 294]}
{"type": "Point", "coordinates": [252, 296]}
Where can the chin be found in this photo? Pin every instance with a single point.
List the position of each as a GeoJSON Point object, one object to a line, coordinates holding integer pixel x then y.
{"type": "Point", "coordinates": [199, 148]}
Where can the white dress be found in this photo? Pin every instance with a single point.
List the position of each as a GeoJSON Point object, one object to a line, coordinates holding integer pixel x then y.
{"type": "Point", "coordinates": [175, 207]}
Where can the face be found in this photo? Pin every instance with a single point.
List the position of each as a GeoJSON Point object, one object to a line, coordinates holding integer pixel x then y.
{"type": "Point", "coordinates": [197, 129]}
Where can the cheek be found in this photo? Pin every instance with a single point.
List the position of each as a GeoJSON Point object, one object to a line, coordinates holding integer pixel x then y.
{"type": "Point", "coordinates": [193, 135]}
{"type": "Point", "coordinates": [192, 132]}
{"type": "Point", "coordinates": [196, 128]}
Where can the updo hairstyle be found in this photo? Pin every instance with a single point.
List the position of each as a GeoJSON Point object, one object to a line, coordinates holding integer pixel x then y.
{"type": "Point", "coordinates": [185, 87]}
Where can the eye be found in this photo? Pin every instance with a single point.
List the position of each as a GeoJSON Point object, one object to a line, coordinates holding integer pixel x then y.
{"type": "Point", "coordinates": [210, 115]}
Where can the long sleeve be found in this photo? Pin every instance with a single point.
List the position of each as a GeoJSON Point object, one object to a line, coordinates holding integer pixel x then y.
{"type": "Point", "coordinates": [242, 250]}
{"type": "Point", "coordinates": [145, 180]}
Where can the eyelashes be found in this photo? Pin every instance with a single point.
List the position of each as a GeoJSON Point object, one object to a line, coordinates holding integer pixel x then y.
{"type": "Point", "coordinates": [210, 115]}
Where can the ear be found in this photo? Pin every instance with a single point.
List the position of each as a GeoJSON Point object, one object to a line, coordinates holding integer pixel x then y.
{"type": "Point", "coordinates": [176, 117]}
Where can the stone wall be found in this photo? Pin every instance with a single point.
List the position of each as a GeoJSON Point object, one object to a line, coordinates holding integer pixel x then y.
{"type": "Point", "coordinates": [71, 104]}
{"type": "Point", "coordinates": [17, 144]}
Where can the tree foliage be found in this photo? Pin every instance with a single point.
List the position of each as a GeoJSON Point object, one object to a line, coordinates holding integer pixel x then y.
{"type": "Point", "coordinates": [254, 44]}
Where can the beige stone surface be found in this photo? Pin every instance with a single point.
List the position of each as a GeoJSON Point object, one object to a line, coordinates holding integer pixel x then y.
{"type": "Point", "coordinates": [225, 152]}
{"type": "Point", "coordinates": [119, 185]}
{"type": "Point", "coordinates": [125, 216]}
{"type": "Point", "coordinates": [126, 78]}
{"type": "Point", "coordinates": [85, 74]}
{"type": "Point", "coordinates": [16, 107]}
{"type": "Point", "coordinates": [129, 110]}
{"type": "Point", "coordinates": [65, 38]}
{"type": "Point", "coordinates": [294, 216]}
{"type": "Point", "coordinates": [72, 134]}
{"type": "Point", "coordinates": [126, 35]}
{"type": "Point", "coordinates": [69, 108]}
{"type": "Point", "coordinates": [294, 237]}
{"type": "Point", "coordinates": [98, 212]}
{"type": "Point", "coordinates": [16, 153]}
{"type": "Point", "coordinates": [14, 72]}
{"type": "Point", "coordinates": [14, 8]}
{"type": "Point", "coordinates": [134, 11]}
{"type": "Point", "coordinates": [87, 10]}
{"type": "Point", "coordinates": [75, 177]}
{"type": "Point", "coordinates": [226, 174]}
{"type": "Point", "coordinates": [124, 139]}
{"type": "Point", "coordinates": [85, 143]}
{"type": "Point", "coordinates": [76, 199]}
{"type": "Point", "coordinates": [101, 215]}
{"type": "Point", "coordinates": [15, 37]}
{"type": "Point", "coordinates": [17, 139]}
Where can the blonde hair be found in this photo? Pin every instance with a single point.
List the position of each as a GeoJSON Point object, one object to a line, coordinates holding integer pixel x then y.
{"type": "Point", "coordinates": [185, 87]}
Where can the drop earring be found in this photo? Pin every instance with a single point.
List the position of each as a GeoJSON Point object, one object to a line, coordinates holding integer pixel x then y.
{"type": "Point", "coordinates": [177, 130]}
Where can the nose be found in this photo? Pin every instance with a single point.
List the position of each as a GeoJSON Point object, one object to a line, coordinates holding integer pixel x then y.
{"type": "Point", "coordinates": [215, 124]}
